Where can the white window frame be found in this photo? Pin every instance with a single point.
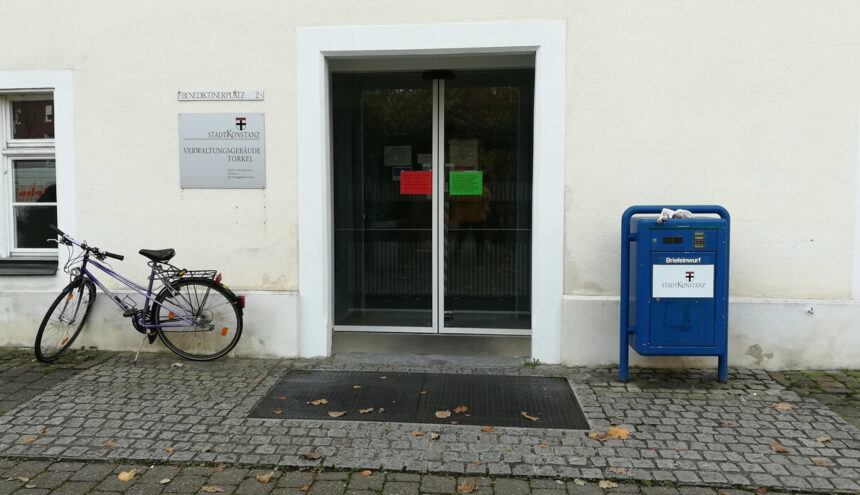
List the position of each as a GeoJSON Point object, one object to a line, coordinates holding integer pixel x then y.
{"type": "Point", "coordinates": [61, 149]}
{"type": "Point", "coordinates": [17, 150]}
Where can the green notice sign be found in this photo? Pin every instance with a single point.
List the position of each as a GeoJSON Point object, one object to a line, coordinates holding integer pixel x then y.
{"type": "Point", "coordinates": [465, 183]}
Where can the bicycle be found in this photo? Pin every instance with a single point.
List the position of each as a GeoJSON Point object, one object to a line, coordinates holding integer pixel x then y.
{"type": "Point", "coordinates": [195, 315]}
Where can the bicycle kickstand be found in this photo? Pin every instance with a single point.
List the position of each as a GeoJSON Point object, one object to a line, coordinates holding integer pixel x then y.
{"type": "Point", "coordinates": [139, 348]}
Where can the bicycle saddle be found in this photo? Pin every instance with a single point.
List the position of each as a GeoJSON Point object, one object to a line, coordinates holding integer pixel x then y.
{"type": "Point", "coordinates": [158, 254]}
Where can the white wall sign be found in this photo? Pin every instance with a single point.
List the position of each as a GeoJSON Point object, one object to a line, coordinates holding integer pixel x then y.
{"type": "Point", "coordinates": [228, 95]}
{"type": "Point", "coordinates": [222, 150]}
{"type": "Point", "coordinates": [682, 281]}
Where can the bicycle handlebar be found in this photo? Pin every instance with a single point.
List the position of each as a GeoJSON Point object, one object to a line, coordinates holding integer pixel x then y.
{"type": "Point", "coordinates": [100, 253]}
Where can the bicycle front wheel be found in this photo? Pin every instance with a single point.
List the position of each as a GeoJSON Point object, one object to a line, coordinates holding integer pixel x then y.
{"type": "Point", "coordinates": [64, 320]}
{"type": "Point", "coordinates": [217, 316]}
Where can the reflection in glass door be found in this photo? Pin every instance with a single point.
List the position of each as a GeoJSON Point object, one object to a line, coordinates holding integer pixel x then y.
{"type": "Point", "coordinates": [432, 200]}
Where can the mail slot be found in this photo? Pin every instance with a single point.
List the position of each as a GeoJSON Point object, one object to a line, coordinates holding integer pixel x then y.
{"type": "Point", "coordinates": [675, 284]}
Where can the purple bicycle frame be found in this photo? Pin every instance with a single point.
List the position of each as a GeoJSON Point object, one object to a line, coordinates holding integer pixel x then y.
{"type": "Point", "coordinates": [187, 317]}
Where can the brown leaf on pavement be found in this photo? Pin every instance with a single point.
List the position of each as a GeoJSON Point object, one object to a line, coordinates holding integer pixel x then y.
{"type": "Point", "coordinates": [219, 467]}
{"type": "Point", "coordinates": [126, 475]}
{"type": "Point", "coordinates": [461, 409]}
{"type": "Point", "coordinates": [782, 406]}
{"type": "Point", "coordinates": [366, 472]}
{"type": "Point", "coordinates": [613, 433]}
{"type": "Point", "coordinates": [110, 443]}
{"type": "Point", "coordinates": [336, 414]}
{"type": "Point", "coordinates": [443, 414]}
{"type": "Point", "coordinates": [265, 478]}
{"type": "Point", "coordinates": [467, 487]}
{"type": "Point", "coordinates": [365, 411]}
{"type": "Point", "coordinates": [821, 462]}
{"type": "Point", "coordinates": [607, 484]}
{"type": "Point", "coordinates": [543, 446]}
{"type": "Point", "coordinates": [777, 447]}
{"type": "Point", "coordinates": [434, 436]}
{"type": "Point", "coordinates": [304, 488]}
{"type": "Point", "coordinates": [526, 415]}
{"type": "Point", "coordinates": [488, 429]}
{"type": "Point", "coordinates": [317, 402]}
{"type": "Point", "coordinates": [316, 454]}
{"type": "Point", "coordinates": [211, 489]}
{"type": "Point", "coordinates": [283, 397]}
{"type": "Point", "coordinates": [618, 470]}
{"type": "Point", "coordinates": [356, 387]}
{"type": "Point", "coordinates": [823, 439]}
{"type": "Point", "coordinates": [417, 433]}
{"type": "Point", "coordinates": [43, 431]}
{"type": "Point", "coordinates": [169, 449]}
{"type": "Point", "coordinates": [277, 411]}
{"type": "Point", "coordinates": [28, 439]}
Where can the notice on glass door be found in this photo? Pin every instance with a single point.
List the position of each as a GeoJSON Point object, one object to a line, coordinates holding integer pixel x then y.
{"type": "Point", "coordinates": [416, 182]}
{"type": "Point", "coordinates": [465, 183]}
{"type": "Point", "coordinates": [463, 153]}
{"type": "Point", "coordinates": [397, 156]}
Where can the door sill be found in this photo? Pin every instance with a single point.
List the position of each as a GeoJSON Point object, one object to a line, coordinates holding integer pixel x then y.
{"type": "Point", "coordinates": [372, 342]}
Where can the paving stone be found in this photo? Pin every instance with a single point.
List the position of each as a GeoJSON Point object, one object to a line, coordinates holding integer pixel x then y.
{"type": "Point", "coordinates": [336, 487]}
{"type": "Point", "coordinates": [92, 472]}
{"type": "Point", "coordinates": [588, 488]}
{"type": "Point", "coordinates": [73, 488]}
{"type": "Point", "coordinates": [438, 484]}
{"type": "Point", "coordinates": [49, 479]}
{"type": "Point", "coordinates": [185, 483]}
{"type": "Point", "coordinates": [27, 469]}
{"type": "Point", "coordinates": [250, 486]}
{"type": "Point", "coordinates": [373, 482]}
{"type": "Point", "coordinates": [295, 479]}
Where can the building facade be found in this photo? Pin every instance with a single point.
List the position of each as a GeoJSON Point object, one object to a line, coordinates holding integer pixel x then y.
{"type": "Point", "coordinates": [439, 169]}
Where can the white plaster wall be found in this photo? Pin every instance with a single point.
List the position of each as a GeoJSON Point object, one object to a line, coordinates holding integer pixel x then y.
{"type": "Point", "coordinates": [763, 333]}
{"type": "Point", "coordinates": [752, 105]}
{"type": "Point", "coordinates": [269, 323]}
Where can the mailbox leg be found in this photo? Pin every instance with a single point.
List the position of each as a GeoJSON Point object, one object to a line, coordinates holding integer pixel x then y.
{"type": "Point", "coordinates": [723, 368]}
{"type": "Point", "coordinates": [622, 362]}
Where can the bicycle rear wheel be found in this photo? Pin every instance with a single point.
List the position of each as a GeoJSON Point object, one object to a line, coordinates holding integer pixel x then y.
{"type": "Point", "coordinates": [218, 315]}
{"type": "Point", "coordinates": [64, 320]}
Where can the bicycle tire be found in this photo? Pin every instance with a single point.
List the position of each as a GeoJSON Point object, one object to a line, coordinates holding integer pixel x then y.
{"type": "Point", "coordinates": [221, 319]}
{"type": "Point", "coordinates": [60, 329]}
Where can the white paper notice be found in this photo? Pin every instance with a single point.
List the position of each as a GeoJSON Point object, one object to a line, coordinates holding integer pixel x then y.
{"type": "Point", "coordinates": [682, 281]}
{"type": "Point", "coordinates": [463, 153]}
{"type": "Point", "coordinates": [397, 156]}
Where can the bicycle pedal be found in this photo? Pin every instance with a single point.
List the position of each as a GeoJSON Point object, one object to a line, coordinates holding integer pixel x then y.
{"type": "Point", "coordinates": [152, 336]}
{"type": "Point", "coordinates": [130, 312]}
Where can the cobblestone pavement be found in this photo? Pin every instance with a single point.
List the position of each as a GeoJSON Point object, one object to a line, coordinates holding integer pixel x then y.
{"type": "Point", "coordinates": [685, 427]}
{"type": "Point", "coordinates": [839, 390]}
{"type": "Point", "coordinates": [22, 377]}
{"type": "Point", "coordinates": [76, 478]}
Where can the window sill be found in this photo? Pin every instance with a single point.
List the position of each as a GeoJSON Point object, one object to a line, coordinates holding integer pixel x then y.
{"type": "Point", "coordinates": [9, 267]}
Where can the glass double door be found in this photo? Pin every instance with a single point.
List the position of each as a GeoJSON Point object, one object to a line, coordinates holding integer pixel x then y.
{"type": "Point", "coordinates": [432, 186]}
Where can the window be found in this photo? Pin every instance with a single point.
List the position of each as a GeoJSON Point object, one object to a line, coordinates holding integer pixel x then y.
{"type": "Point", "coordinates": [28, 191]}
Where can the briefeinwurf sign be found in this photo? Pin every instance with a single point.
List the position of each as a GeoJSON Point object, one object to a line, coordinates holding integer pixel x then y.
{"type": "Point", "coordinates": [222, 150]}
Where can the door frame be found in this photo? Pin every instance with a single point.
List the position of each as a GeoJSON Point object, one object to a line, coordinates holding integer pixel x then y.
{"type": "Point", "coordinates": [546, 39]}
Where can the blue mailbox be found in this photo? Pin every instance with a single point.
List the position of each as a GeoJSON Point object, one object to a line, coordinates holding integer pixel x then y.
{"type": "Point", "coordinates": [675, 284]}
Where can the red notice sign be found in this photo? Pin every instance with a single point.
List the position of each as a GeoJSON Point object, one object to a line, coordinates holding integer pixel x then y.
{"type": "Point", "coordinates": [416, 182]}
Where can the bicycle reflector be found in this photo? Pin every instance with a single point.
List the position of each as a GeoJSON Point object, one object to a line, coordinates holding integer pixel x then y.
{"type": "Point", "coordinates": [218, 278]}
{"type": "Point", "coordinates": [242, 301]}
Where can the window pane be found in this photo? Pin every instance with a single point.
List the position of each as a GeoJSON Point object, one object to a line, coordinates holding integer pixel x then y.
{"type": "Point", "coordinates": [31, 226]}
{"type": "Point", "coordinates": [33, 119]}
{"type": "Point", "coordinates": [35, 181]}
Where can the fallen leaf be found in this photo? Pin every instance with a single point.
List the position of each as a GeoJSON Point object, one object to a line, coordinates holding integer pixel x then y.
{"type": "Point", "coordinates": [110, 443]}
{"type": "Point", "coordinates": [478, 462]}
{"type": "Point", "coordinates": [443, 414]}
{"type": "Point", "coordinates": [455, 422]}
{"type": "Point", "coordinates": [821, 462]}
{"type": "Point", "coordinates": [607, 484]}
{"type": "Point", "coordinates": [356, 387]}
{"type": "Point", "coordinates": [127, 475]}
{"type": "Point", "coordinates": [613, 433]}
{"type": "Point", "coordinates": [165, 481]}
{"type": "Point", "coordinates": [423, 392]}
{"type": "Point", "coordinates": [211, 488]}
{"type": "Point", "coordinates": [336, 414]}
{"type": "Point", "coordinates": [219, 468]}
{"type": "Point", "coordinates": [579, 482]}
{"type": "Point", "coordinates": [28, 439]}
{"type": "Point", "coordinates": [726, 423]}
{"type": "Point", "coordinates": [22, 479]}
{"type": "Point", "coordinates": [383, 377]}
{"type": "Point", "coordinates": [366, 472]}
{"type": "Point", "coordinates": [417, 433]}
{"type": "Point", "coordinates": [467, 487]}
{"type": "Point", "coordinates": [316, 454]}
{"type": "Point", "coordinates": [42, 432]}
{"type": "Point", "coordinates": [365, 411]}
{"type": "Point", "coordinates": [434, 436]}
{"type": "Point", "coordinates": [317, 402]}
{"type": "Point", "coordinates": [543, 446]}
{"type": "Point", "coordinates": [304, 488]}
{"type": "Point", "coordinates": [823, 439]}
{"type": "Point", "coordinates": [381, 410]}
{"type": "Point", "coordinates": [169, 449]}
{"type": "Point", "coordinates": [777, 447]}
{"type": "Point", "coordinates": [461, 409]}
{"type": "Point", "coordinates": [283, 397]}
{"type": "Point", "coordinates": [265, 478]}
{"type": "Point", "coordinates": [206, 448]}
{"type": "Point", "coordinates": [761, 490]}
{"type": "Point", "coordinates": [278, 411]}
{"type": "Point", "coordinates": [782, 406]}
{"type": "Point", "coordinates": [526, 415]}
{"type": "Point", "coordinates": [176, 365]}
{"type": "Point", "coordinates": [488, 429]}
{"type": "Point", "coordinates": [618, 470]}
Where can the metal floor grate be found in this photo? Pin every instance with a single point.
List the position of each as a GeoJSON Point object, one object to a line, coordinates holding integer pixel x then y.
{"type": "Point", "coordinates": [492, 400]}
